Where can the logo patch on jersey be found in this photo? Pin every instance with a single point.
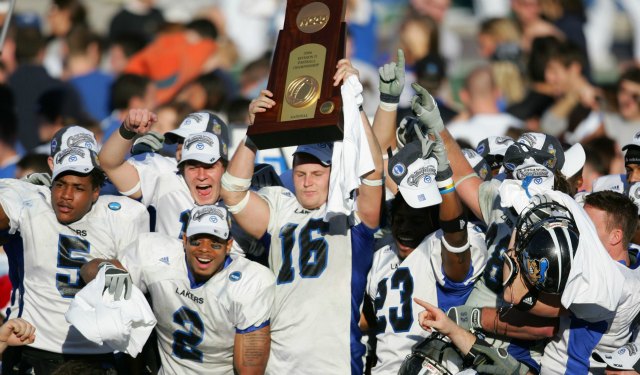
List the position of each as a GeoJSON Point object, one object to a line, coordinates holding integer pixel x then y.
{"type": "Point", "coordinates": [114, 206]}
{"type": "Point", "coordinates": [537, 270]}
{"type": "Point", "coordinates": [235, 276]}
{"type": "Point", "coordinates": [398, 169]}
{"type": "Point", "coordinates": [164, 260]}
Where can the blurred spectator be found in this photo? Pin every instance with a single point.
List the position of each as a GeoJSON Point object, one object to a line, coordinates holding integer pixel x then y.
{"type": "Point", "coordinates": [32, 163]}
{"type": "Point", "coordinates": [601, 155]}
{"type": "Point", "coordinates": [170, 116]}
{"type": "Point", "coordinates": [529, 17]}
{"type": "Point", "coordinates": [127, 92]}
{"type": "Point", "coordinates": [480, 98]}
{"type": "Point", "coordinates": [450, 45]}
{"type": "Point", "coordinates": [573, 114]}
{"type": "Point", "coordinates": [63, 16]}
{"type": "Point", "coordinates": [254, 77]}
{"type": "Point", "coordinates": [368, 74]}
{"type": "Point", "coordinates": [28, 82]}
{"type": "Point", "coordinates": [56, 108]}
{"type": "Point", "coordinates": [84, 56]}
{"type": "Point", "coordinates": [8, 131]}
{"type": "Point", "coordinates": [539, 95]}
{"type": "Point", "coordinates": [175, 57]}
{"type": "Point", "coordinates": [120, 51]}
{"type": "Point", "coordinates": [625, 123]}
{"type": "Point", "coordinates": [211, 91]}
{"type": "Point", "coordinates": [499, 42]}
{"type": "Point", "coordinates": [138, 19]}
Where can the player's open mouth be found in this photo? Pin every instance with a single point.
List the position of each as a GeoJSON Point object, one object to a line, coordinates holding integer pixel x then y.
{"type": "Point", "coordinates": [203, 190]}
{"type": "Point", "coordinates": [204, 260]}
{"type": "Point", "coordinates": [64, 209]}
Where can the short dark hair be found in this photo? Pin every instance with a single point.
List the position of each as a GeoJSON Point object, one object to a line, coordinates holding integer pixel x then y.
{"type": "Point", "coordinates": [29, 43]}
{"type": "Point", "coordinates": [130, 43]}
{"type": "Point", "coordinates": [8, 117]}
{"type": "Point", "coordinates": [620, 209]}
{"type": "Point", "coordinates": [599, 154]}
{"type": "Point", "coordinates": [204, 28]}
{"type": "Point", "coordinates": [36, 162]}
{"type": "Point", "coordinates": [125, 87]}
{"type": "Point", "coordinates": [632, 74]}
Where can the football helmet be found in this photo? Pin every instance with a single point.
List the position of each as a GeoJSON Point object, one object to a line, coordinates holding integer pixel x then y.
{"type": "Point", "coordinates": [435, 355]}
{"type": "Point", "coordinates": [546, 241]}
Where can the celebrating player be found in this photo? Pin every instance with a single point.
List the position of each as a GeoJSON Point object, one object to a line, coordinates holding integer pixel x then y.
{"type": "Point", "coordinates": [320, 266]}
{"type": "Point", "coordinates": [58, 232]}
{"type": "Point", "coordinates": [213, 309]}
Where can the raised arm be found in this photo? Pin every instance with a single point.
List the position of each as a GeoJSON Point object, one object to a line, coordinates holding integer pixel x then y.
{"type": "Point", "coordinates": [250, 211]}
{"type": "Point", "coordinates": [112, 155]}
{"type": "Point", "coordinates": [384, 122]}
{"type": "Point", "coordinates": [467, 182]}
{"type": "Point", "coordinates": [370, 192]}
{"type": "Point", "coordinates": [251, 351]}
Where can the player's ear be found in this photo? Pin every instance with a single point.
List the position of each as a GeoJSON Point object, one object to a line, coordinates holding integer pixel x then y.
{"type": "Point", "coordinates": [229, 244]}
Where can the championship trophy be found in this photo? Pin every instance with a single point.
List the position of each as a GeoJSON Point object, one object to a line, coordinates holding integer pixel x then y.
{"type": "Point", "coordinates": [308, 107]}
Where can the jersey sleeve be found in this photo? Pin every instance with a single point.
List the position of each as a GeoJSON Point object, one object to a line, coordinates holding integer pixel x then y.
{"type": "Point", "coordinates": [150, 166]}
{"type": "Point", "coordinates": [133, 260]}
{"type": "Point", "coordinates": [132, 220]}
{"type": "Point", "coordinates": [15, 196]}
{"type": "Point", "coordinates": [251, 310]}
{"type": "Point", "coordinates": [276, 198]}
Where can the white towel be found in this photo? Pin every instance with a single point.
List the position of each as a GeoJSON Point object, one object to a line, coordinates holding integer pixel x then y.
{"type": "Point", "coordinates": [593, 287]}
{"type": "Point", "coordinates": [124, 326]}
{"type": "Point", "coordinates": [352, 157]}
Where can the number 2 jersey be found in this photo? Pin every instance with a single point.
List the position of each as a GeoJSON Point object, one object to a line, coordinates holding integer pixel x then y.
{"type": "Point", "coordinates": [393, 283]}
{"type": "Point", "coordinates": [321, 271]}
{"type": "Point", "coordinates": [197, 323]}
{"type": "Point", "coordinates": [45, 257]}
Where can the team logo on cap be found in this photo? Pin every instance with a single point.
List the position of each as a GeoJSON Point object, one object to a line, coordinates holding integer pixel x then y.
{"type": "Point", "coordinates": [197, 117]}
{"type": "Point", "coordinates": [81, 140]}
{"type": "Point", "coordinates": [199, 141]}
{"type": "Point", "coordinates": [537, 270]}
{"type": "Point", "coordinates": [636, 136]}
{"type": "Point", "coordinates": [415, 177]}
{"type": "Point", "coordinates": [551, 162]}
{"type": "Point", "coordinates": [480, 149]}
{"type": "Point", "coordinates": [54, 146]}
{"type": "Point", "coordinates": [531, 172]}
{"type": "Point", "coordinates": [502, 140]}
{"type": "Point", "coordinates": [528, 139]}
{"type": "Point", "coordinates": [398, 169]}
{"type": "Point", "coordinates": [72, 153]}
{"type": "Point", "coordinates": [199, 214]}
{"type": "Point", "coordinates": [483, 172]}
{"type": "Point", "coordinates": [217, 128]}
{"type": "Point", "coordinates": [224, 148]}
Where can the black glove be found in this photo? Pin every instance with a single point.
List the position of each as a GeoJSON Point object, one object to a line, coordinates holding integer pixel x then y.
{"type": "Point", "coordinates": [117, 282]}
{"type": "Point", "coordinates": [264, 175]}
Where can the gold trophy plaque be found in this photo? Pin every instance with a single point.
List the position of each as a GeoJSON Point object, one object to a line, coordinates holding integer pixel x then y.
{"type": "Point", "coordinates": [308, 107]}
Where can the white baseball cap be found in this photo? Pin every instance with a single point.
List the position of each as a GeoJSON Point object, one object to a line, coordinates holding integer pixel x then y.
{"type": "Point", "coordinates": [75, 159]}
{"type": "Point", "coordinates": [478, 163]}
{"type": "Point", "coordinates": [626, 357]}
{"type": "Point", "coordinates": [634, 194]}
{"type": "Point", "coordinates": [614, 182]}
{"type": "Point", "coordinates": [635, 142]}
{"type": "Point", "coordinates": [415, 176]}
{"type": "Point", "coordinates": [73, 136]}
{"type": "Point", "coordinates": [198, 122]}
{"type": "Point", "coordinates": [574, 158]}
{"type": "Point", "coordinates": [204, 147]}
{"type": "Point", "coordinates": [209, 219]}
{"type": "Point", "coordinates": [321, 151]}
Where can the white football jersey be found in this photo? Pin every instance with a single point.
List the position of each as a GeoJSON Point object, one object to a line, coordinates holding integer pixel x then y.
{"type": "Point", "coordinates": [393, 283]}
{"type": "Point", "coordinates": [321, 270]}
{"type": "Point", "coordinates": [163, 189]}
{"type": "Point", "coordinates": [571, 348]}
{"type": "Point", "coordinates": [197, 324]}
{"type": "Point", "coordinates": [45, 257]}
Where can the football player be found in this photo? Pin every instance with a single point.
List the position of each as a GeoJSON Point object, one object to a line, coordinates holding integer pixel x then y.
{"type": "Point", "coordinates": [213, 309]}
{"type": "Point", "coordinates": [55, 233]}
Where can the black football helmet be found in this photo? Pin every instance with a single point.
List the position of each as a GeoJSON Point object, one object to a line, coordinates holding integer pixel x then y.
{"type": "Point", "coordinates": [546, 241]}
{"type": "Point", "coordinates": [435, 355]}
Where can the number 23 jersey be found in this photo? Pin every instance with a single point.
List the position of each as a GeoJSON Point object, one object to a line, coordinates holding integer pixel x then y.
{"type": "Point", "coordinates": [197, 323]}
{"type": "Point", "coordinates": [45, 259]}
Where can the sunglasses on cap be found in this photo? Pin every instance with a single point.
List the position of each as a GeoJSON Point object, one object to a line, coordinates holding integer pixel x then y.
{"type": "Point", "coordinates": [518, 152]}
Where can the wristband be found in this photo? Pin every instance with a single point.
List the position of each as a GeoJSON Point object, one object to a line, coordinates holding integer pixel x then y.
{"type": "Point", "coordinates": [448, 183]}
{"type": "Point", "coordinates": [455, 250]}
{"type": "Point", "coordinates": [125, 133]}
{"type": "Point", "coordinates": [249, 143]}
{"type": "Point", "coordinates": [241, 205]}
{"type": "Point", "coordinates": [388, 107]}
{"type": "Point", "coordinates": [131, 191]}
{"type": "Point", "coordinates": [233, 183]}
{"type": "Point", "coordinates": [463, 179]}
{"type": "Point", "coordinates": [447, 191]}
{"type": "Point", "coordinates": [373, 183]}
{"type": "Point", "coordinates": [528, 300]}
{"type": "Point", "coordinates": [456, 225]}
{"type": "Point", "coordinates": [389, 99]}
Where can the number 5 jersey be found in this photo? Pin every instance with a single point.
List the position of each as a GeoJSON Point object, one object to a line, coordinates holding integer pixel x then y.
{"type": "Point", "coordinates": [45, 257]}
